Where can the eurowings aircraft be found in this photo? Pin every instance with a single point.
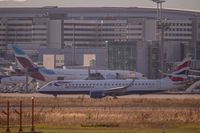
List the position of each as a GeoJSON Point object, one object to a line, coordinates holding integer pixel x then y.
{"type": "Point", "coordinates": [47, 75]}
{"type": "Point", "coordinates": [102, 88]}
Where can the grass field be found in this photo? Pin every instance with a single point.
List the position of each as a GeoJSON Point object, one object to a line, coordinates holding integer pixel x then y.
{"type": "Point", "coordinates": [181, 129]}
{"type": "Point", "coordinates": [123, 115]}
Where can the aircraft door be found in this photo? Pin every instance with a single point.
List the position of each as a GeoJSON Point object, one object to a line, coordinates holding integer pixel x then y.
{"type": "Point", "coordinates": [60, 78]}
{"type": "Point", "coordinates": [157, 84]}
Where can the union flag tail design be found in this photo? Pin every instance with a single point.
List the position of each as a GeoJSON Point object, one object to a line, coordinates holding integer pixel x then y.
{"type": "Point", "coordinates": [181, 71]}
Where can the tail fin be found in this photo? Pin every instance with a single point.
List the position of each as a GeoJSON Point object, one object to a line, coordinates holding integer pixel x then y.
{"type": "Point", "coordinates": [27, 63]}
{"type": "Point", "coordinates": [181, 71]}
{"type": "Point", "coordinates": [23, 58]}
{"type": "Point", "coordinates": [183, 66]}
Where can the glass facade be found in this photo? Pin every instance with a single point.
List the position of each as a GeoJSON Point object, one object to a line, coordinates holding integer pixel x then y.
{"type": "Point", "coordinates": [198, 50]}
{"type": "Point", "coordinates": [122, 55]}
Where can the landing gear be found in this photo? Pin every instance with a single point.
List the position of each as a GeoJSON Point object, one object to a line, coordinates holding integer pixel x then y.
{"type": "Point", "coordinates": [55, 96]}
{"type": "Point", "coordinates": [115, 97]}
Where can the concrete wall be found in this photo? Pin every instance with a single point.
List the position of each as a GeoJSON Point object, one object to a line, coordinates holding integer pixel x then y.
{"type": "Point", "coordinates": [142, 58]}
{"type": "Point", "coordinates": [172, 52]}
{"type": "Point", "coordinates": [100, 53]}
{"type": "Point", "coordinates": [150, 30]}
{"type": "Point", "coordinates": [49, 60]}
{"type": "Point", "coordinates": [55, 34]}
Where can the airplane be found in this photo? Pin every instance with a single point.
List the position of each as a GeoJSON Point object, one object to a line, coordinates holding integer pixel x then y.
{"type": "Point", "coordinates": [11, 83]}
{"type": "Point", "coordinates": [11, 71]}
{"type": "Point", "coordinates": [11, 80]}
{"type": "Point", "coordinates": [47, 75]}
{"type": "Point", "coordinates": [182, 68]}
{"type": "Point", "coordinates": [103, 88]}
{"type": "Point", "coordinates": [16, 84]}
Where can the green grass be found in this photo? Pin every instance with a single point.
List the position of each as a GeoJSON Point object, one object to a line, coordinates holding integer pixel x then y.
{"type": "Point", "coordinates": [180, 129]}
{"type": "Point", "coordinates": [122, 131]}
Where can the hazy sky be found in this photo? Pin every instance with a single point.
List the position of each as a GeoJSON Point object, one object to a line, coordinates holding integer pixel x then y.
{"type": "Point", "coordinates": [174, 4]}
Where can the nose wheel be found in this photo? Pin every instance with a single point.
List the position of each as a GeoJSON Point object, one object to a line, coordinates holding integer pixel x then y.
{"type": "Point", "coordinates": [115, 97]}
{"type": "Point", "coordinates": [55, 96]}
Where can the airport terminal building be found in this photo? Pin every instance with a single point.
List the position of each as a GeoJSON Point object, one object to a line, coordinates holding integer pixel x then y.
{"type": "Point", "coordinates": [91, 33]}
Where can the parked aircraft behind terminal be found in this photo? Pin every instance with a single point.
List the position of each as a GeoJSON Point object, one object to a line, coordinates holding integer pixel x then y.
{"type": "Point", "coordinates": [48, 75]}
{"type": "Point", "coordinates": [102, 88]}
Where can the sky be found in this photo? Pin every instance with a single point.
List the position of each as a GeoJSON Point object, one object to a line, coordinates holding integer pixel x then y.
{"type": "Point", "coordinates": [193, 5]}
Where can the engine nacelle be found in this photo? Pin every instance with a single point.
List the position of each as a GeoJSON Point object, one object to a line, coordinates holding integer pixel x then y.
{"type": "Point", "coordinates": [97, 94]}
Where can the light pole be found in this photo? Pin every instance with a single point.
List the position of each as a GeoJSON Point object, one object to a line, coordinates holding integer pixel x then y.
{"type": "Point", "coordinates": [160, 31]}
{"type": "Point", "coordinates": [101, 30]}
{"type": "Point", "coordinates": [159, 8]}
{"type": "Point", "coordinates": [74, 54]}
{"type": "Point", "coordinates": [162, 26]}
{"type": "Point", "coordinates": [106, 43]}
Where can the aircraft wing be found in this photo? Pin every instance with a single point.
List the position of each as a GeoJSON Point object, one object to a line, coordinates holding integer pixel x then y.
{"type": "Point", "coordinates": [194, 76]}
{"type": "Point", "coordinates": [195, 71]}
{"type": "Point", "coordinates": [114, 91]}
{"type": "Point", "coordinates": [6, 69]}
{"type": "Point", "coordinates": [117, 90]}
{"type": "Point", "coordinates": [15, 71]}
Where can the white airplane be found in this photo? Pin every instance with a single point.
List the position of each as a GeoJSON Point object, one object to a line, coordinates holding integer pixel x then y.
{"type": "Point", "coordinates": [102, 88]}
{"type": "Point", "coordinates": [11, 83]}
{"type": "Point", "coordinates": [12, 80]}
{"type": "Point", "coordinates": [48, 75]}
{"type": "Point", "coordinates": [11, 71]}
